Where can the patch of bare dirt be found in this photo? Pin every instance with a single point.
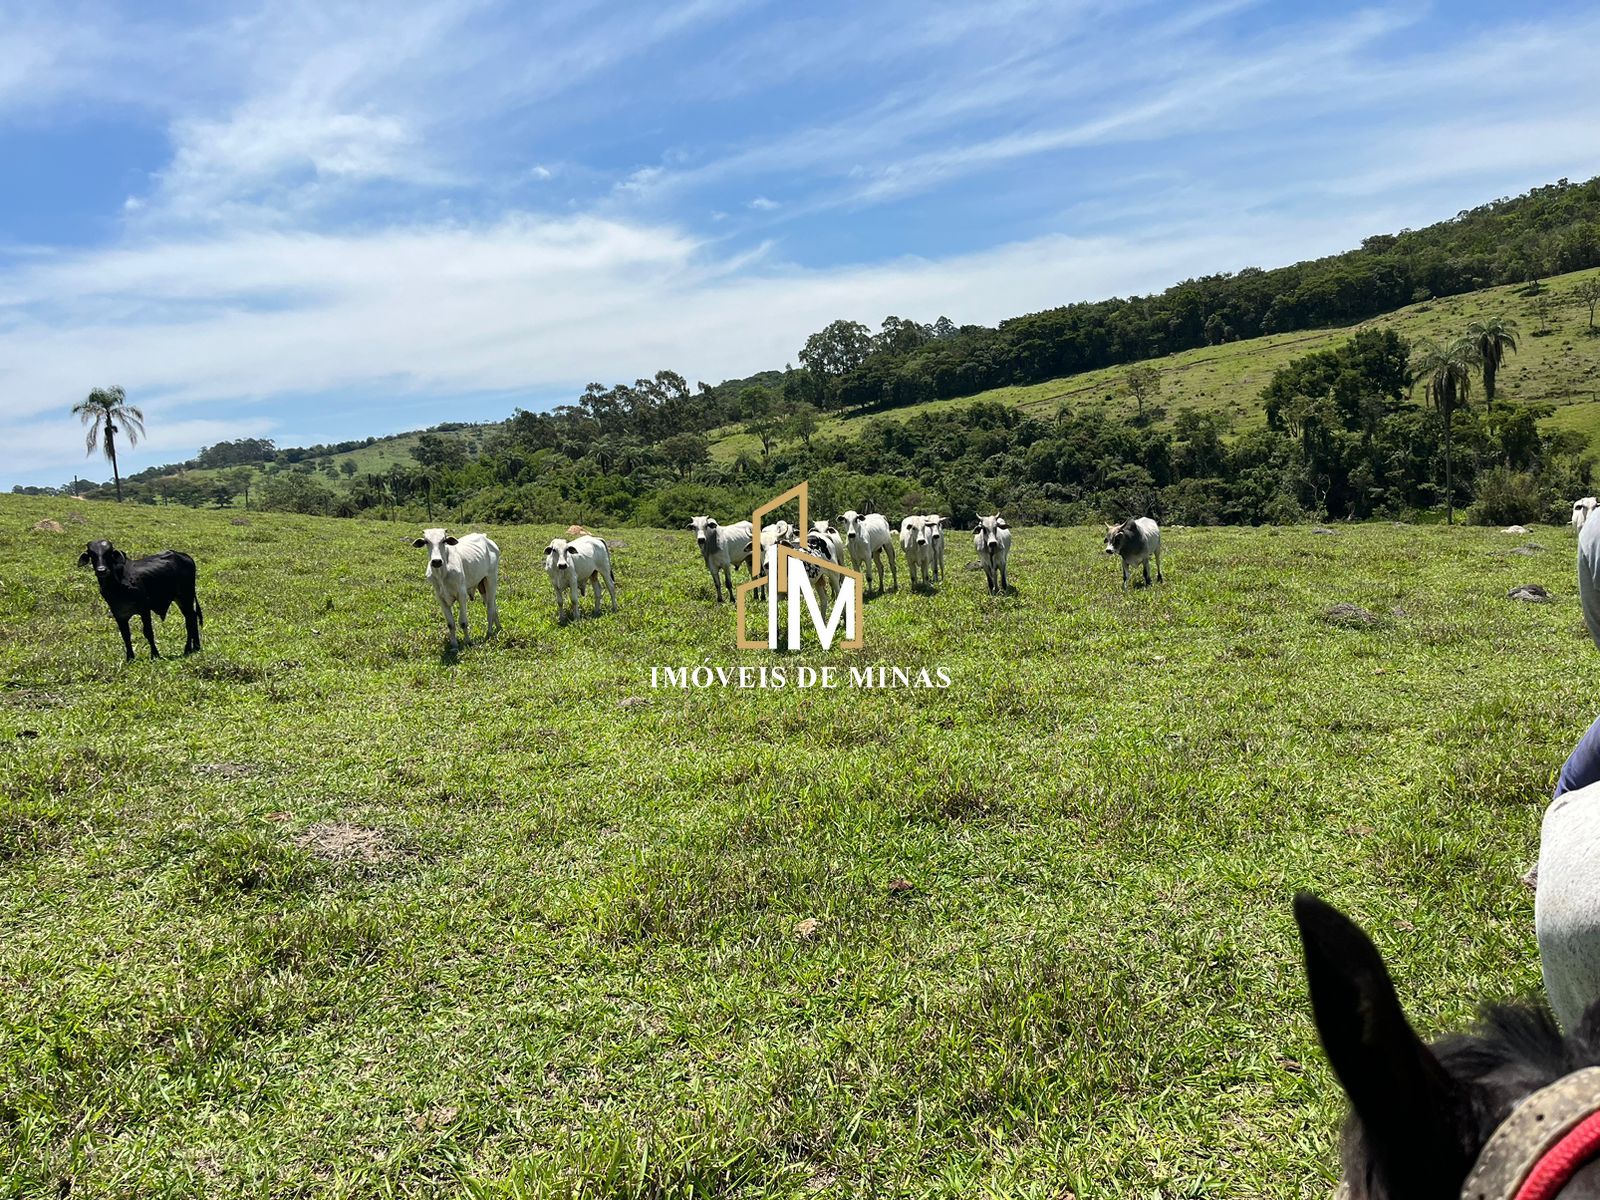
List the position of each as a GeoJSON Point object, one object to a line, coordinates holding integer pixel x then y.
{"type": "Point", "coordinates": [344, 841]}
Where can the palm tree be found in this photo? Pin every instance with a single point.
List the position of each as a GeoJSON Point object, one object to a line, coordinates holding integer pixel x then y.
{"type": "Point", "coordinates": [1492, 339]}
{"type": "Point", "coordinates": [1446, 370]}
{"type": "Point", "coordinates": [101, 410]}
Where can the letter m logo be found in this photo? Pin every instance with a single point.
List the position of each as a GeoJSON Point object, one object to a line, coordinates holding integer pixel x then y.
{"type": "Point", "coordinates": [787, 572]}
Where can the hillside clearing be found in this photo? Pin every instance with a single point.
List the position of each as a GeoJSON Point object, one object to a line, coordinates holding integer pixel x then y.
{"type": "Point", "coordinates": [325, 911]}
{"type": "Point", "coordinates": [1561, 368]}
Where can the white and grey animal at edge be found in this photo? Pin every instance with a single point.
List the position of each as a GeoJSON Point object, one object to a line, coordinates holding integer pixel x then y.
{"type": "Point", "coordinates": [1582, 510]}
{"type": "Point", "coordinates": [573, 565]}
{"type": "Point", "coordinates": [722, 547]}
{"type": "Point", "coordinates": [457, 567]}
{"type": "Point", "coordinates": [869, 540]}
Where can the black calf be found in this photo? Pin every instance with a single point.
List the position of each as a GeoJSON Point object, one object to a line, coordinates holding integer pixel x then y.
{"type": "Point", "coordinates": [140, 586]}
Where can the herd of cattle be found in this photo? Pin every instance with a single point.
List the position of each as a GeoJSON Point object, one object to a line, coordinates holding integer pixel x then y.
{"type": "Point", "coordinates": [459, 568]}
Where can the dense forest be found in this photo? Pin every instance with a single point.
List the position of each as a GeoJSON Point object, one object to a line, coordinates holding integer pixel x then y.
{"type": "Point", "coordinates": [1351, 432]}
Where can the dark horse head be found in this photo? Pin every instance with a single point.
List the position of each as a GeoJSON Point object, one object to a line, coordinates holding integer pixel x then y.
{"type": "Point", "coordinates": [1421, 1116]}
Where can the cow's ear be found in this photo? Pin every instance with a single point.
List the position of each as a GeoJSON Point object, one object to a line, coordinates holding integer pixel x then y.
{"type": "Point", "coordinates": [420, 543]}
{"type": "Point", "coordinates": [450, 541]}
{"type": "Point", "coordinates": [84, 559]}
{"type": "Point", "coordinates": [117, 558]}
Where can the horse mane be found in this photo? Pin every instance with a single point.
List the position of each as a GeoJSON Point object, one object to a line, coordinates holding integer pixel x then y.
{"type": "Point", "coordinates": [1511, 1052]}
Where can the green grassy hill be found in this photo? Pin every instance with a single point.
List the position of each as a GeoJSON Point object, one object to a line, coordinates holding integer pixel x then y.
{"type": "Point", "coordinates": [1562, 368]}
{"type": "Point", "coordinates": [327, 911]}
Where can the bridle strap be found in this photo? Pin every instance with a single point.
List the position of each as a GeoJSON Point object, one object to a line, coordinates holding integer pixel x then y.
{"type": "Point", "coordinates": [1535, 1127]}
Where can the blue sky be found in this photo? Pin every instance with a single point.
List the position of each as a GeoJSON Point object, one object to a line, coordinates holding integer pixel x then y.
{"type": "Point", "coordinates": [314, 221]}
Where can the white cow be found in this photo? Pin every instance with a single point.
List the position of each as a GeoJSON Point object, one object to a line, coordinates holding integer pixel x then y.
{"type": "Point", "coordinates": [826, 531]}
{"type": "Point", "coordinates": [1137, 541]}
{"type": "Point", "coordinates": [870, 540]}
{"type": "Point", "coordinates": [576, 564]}
{"type": "Point", "coordinates": [722, 548]}
{"type": "Point", "coordinates": [457, 567]}
{"type": "Point", "coordinates": [935, 525]}
{"type": "Point", "coordinates": [1582, 510]}
{"type": "Point", "coordinates": [918, 547]}
{"type": "Point", "coordinates": [992, 538]}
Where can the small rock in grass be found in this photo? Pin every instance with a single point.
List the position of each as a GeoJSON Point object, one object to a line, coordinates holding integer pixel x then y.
{"type": "Point", "coordinates": [898, 887]}
{"type": "Point", "coordinates": [48, 526]}
{"type": "Point", "coordinates": [1350, 616]}
{"type": "Point", "coordinates": [1531, 592]}
{"type": "Point", "coordinates": [1325, 531]}
{"type": "Point", "coordinates": [1525, 551]}
{"type": "Point", "coordinates": [807, 929]}
{"type": "Point", "coordinates": [1513, 529]}
{"type": "Point", "coordinates": [632, 701]}
{"type": "Point", "coordinates": [239, 521]}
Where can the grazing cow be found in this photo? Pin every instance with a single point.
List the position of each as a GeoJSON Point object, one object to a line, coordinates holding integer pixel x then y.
{"type": "Point", "coordinates": [1506, 1110]}
{"type": "Point", "coordinates": [722, 548]}
{"type": "Point", "coordinates": [993, 540]}
{"type": "Point", "coordinates": [869, 540]}
{"type": "Point", "coordinates": [1138, 541]}
{"type": "Point", "coordinates": [935, 524]}
{"type": "Point", "coordinates": [1582, 510]}
{"type": "Point", "coordinates": [142, 586]}
{"type": "Point", "coordinates": [458, 567]}
{"type": "Point", "coordinates": [576, 564]}
{"type": "Point", "coordinates": [918, 548]}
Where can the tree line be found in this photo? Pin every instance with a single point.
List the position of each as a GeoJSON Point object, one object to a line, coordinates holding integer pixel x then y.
{"type": "Point", "coordinates": [1344, 434]}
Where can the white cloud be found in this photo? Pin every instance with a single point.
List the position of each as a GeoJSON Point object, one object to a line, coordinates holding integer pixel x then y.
{"type": "Point", "coordinates": [762, 204]}
{"type": "Point", "coordinates": [527, 304]}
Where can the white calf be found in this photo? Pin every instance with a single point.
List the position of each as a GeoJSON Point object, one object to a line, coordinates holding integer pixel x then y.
{"type": "Point", "coordinates": [870, 540]}
{"type": "Point", "coordinates": [457, 567]}
{"type": "Point", "coordinates": [918, 547]}
{"type": "Point", "coordinates": [722, 548]}
{"type": "Point", "coordinates": [993, 540]}
{"type": "Point", "coordinates": [575, 564]}
{"type": "Point", "coordinates": [935, 525]}
{"type": "Point", "coordinates": [1582, 510]}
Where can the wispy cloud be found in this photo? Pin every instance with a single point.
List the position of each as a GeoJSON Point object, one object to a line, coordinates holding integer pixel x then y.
{"type": "Point", "coordinates": [476, 198]}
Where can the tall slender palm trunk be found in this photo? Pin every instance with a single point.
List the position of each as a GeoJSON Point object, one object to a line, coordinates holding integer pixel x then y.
{"type": "Point", "coordinates": [111, 453]}
{"type": "Point", "coordinates": [1449, 473]}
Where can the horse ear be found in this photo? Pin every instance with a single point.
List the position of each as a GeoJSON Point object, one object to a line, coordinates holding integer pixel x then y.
{"type": "Point", "coordinates": [1410, 1111]}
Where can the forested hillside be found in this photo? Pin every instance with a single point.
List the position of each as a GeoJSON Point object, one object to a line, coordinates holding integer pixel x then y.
{"type": "Point", "coordinates": [1158, 404]}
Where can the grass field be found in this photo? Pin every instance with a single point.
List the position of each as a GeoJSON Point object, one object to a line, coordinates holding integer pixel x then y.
{"type": "Point", "coordinates": [1561, 368]}
{"type": "Point", "coordinates": [324, 911]}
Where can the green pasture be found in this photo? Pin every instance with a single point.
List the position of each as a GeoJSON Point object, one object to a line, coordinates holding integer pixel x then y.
{"type": "Point", "coordinates": [326, 911]}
